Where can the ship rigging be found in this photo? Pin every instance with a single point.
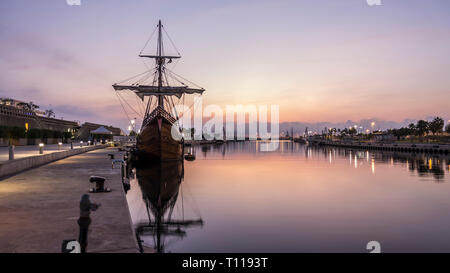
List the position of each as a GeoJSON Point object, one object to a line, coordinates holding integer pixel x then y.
{"type": "Point", "coordinates": [155, 141]}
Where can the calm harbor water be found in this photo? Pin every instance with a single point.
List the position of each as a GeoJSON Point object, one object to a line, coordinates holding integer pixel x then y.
{"type": "Point", "coordinates": [297, 199]}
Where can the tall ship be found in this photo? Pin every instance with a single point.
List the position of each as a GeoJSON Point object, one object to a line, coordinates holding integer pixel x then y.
{"type": "Point", "coordinates": [158, 87]}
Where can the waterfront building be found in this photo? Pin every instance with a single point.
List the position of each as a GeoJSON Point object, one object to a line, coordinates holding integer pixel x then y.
{"type": "Point", "coordinates": [84, 133]}
{"type": "Point", "coordinates": [14, 113]}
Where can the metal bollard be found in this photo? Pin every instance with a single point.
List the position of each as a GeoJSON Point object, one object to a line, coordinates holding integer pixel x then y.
{"type": "Point", "coordinates": [71, 145]}
{"type": "Point", "coordinates": [99, 184]}
{"type": "Point", "coordinates": [85, 220]}
{"type": "Point", "coordinates": [114, 161]}
{"type": "Point", "coordinates": [11, 152]}
{"type": "Point", "coordinates": [122, 171]}
{"type": "Point", "coordinates": [59, 146]}
{"type": "Point", "coordinates": [41, 148]}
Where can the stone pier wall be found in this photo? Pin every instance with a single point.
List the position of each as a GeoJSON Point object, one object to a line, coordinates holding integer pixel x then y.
{"type": "Point", "coordinates": [17, 165]}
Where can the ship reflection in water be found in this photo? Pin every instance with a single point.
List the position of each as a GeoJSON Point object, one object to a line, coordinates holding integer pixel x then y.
{"type": "Point", "coordinates": [160, 187]}
{"type": "Point", "coordinates": [299, 198]}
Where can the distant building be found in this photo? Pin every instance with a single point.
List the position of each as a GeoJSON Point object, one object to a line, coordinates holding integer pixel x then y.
{"type": "Point", "coordinates": [84, 133]}
{"type": "Point", "coordinates": [22, 114]}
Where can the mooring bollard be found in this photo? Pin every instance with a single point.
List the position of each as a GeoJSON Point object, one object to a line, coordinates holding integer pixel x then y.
{"type": "Point", "coordinates": [85, 220]}
{"type": "Point", "coordinates": [122, 171]}
{"type": "Point", "coordinates": [71, 145]}
{"type": "Point", "coordinates": [99, 184]}
{"type": "Point", "coordinates": [11, 152]}
{"type": "Point", "coordinates": [114, 161]}
{"type": "Point", "coordinates": [41, 148]}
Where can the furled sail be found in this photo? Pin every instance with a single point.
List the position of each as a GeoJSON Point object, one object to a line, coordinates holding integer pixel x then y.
{"type": "Point", "coordinates": [151, 90]}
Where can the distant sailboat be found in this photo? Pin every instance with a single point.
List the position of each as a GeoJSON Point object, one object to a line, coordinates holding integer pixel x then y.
{"type": "Point", "coordinates": [155, 141]}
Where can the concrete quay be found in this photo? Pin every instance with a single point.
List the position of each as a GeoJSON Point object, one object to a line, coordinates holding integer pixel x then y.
{"type": "Point", "coordinates": [39, 208]}
{"type": "Point", "coordinates": [32, 150]}
{"type": "Point", "coordinates": [437, 149]}
{"type": "Point", "coordinates": [11, 167]}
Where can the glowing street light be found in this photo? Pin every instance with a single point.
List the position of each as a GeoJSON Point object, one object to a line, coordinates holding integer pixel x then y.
{"type": "Point", "coordinates": [41, 148]}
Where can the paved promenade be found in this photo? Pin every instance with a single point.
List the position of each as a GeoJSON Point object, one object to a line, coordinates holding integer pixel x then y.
{"type": "Point", "coordinates": [39, 208]}
{"type": "Point", "coordinates": [32, 150]}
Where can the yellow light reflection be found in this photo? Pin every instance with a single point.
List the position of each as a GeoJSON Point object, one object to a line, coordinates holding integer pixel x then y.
{"type": "Point", "coordinates": [373, 166]}
{"type": "Point", "coordinates": [430, 164]}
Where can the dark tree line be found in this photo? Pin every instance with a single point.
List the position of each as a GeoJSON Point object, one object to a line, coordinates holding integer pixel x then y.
{"type": "Point", "coordinates": [421, 128]}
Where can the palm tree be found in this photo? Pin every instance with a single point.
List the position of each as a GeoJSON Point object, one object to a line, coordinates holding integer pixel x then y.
{"type": "Point", "coordinates": [436, 125]}
{"type": "Point", "coordinates": [49, 113]}
{"type": "Point", "coordinates": [422, 127]}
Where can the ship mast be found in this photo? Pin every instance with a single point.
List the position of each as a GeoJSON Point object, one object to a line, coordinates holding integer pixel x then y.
{"type": "Point", "coordinates": [160, 63]}
{"type": "Point", "coordinates": [158, 88]}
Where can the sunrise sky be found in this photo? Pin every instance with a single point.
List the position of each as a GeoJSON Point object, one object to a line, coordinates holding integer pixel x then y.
{"type": "Point", "coordinates": [322, 60]}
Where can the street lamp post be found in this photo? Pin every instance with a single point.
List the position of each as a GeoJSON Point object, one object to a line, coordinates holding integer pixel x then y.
{"type": "Point", "coordinates": [11, 152]}
{"type": "Point", "coordinates": [41, 148]}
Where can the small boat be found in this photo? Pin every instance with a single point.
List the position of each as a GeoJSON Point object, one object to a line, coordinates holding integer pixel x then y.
{"type": "Point", "coordinates": [189, 157]}
{"type": "Point", "coordinates": [156, 141]}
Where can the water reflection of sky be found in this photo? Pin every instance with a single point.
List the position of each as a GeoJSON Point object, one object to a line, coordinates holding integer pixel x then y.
{"type": "Point", "coordinates": [309, 199]}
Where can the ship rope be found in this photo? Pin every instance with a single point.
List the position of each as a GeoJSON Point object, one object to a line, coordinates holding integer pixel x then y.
{"type": "Point", "coordinates": [176, 76]}
{"type": "Point", "coordinates": [148, 40]}
{"type": "Point", "coordinates": [193, 203]}
{"type": "Point", "coordinates": [135, 76]}
{"type": "Point", "coordinates": [170, 39]}
{"type": "Point", "coordinates": [121, 104]}
{"type": "Point", "coordinates": [124, 100]}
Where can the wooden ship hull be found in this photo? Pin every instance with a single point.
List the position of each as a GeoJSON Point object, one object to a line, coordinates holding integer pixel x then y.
{"type": "Point", "coordinates": [155, 142]}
